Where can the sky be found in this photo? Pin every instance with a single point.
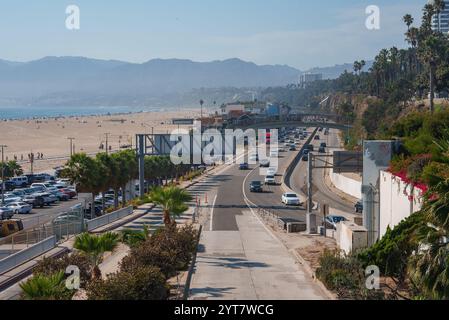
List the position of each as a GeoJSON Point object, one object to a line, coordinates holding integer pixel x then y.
{"type": "Point", "coordinates": [299, 33]}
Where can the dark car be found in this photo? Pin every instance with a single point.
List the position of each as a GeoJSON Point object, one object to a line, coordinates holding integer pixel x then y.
{"type": "Point", "coordinates": [332, 221]}
{"type": "Point", "coordinates": [255, 186]}
{"type": "Point", "coordinates": [6, 213]}
{"type": "Point", "coordinates": [309, 147]}
{"type": "Point", "coordinates": [305, 157]}
{"type": "Point", "coordinates": [9, 186]}
{"type": "Point", "coordinates": [322, 150]}
{"type": "Point", "coordinates": [320, 129]}
{"type": "Point", "coordinates": [359, 207]}
{"type": "Point", "coordinates": [317, 137]}
{"type": "Point", "coordinates": [243, 166]}
{"type": "Point", "coordinates": [323, 144]}
{"type": "Point", "coordinates": [292, 148]}
{"type": "Point", "coordinates": [306, 151]}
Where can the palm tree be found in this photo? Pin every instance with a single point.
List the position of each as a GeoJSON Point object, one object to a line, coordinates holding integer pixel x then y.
{"type": "Point", "coordinates": [94, 246]}
{"type": "Point", "coordinates": [408, 20]}
{"type": "Point", "coordinates": [107, 162]}
{"type": "Point", "coordinates": [172, 200]}
{"type": "Point", "coordinates": [41, 287]}
{"type": "Point", "coordinates": [12, 169]}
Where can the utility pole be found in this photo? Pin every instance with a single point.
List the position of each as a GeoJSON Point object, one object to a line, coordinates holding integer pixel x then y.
{"type": "Point", "coordinates": [107, 140]}
{"type": "Point", "coordinates": [3, 174]}
{"type": "Point", "coordinates": [71, 146]}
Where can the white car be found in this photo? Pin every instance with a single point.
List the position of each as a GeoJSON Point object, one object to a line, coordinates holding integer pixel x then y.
{"type": "Point", "coordinates": [274, 153]}
{"type": "Point", "coordinates": [270, 180]}
{"type": "Point", "coordinates": [271, 171]}
{"type": "Point", "coordinates": [20, 207]}
{"type": "Point", "coordinates": [10, 198]}
{"type": "Point", "coordinates": [291, 199]}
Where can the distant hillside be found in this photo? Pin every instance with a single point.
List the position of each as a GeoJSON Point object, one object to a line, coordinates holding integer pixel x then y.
{"type": "Point", "coordinates": [335, 71]}
{"type": "Point", "coordinates": [84, 81]}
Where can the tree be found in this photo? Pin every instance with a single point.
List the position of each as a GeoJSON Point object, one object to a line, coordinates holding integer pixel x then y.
{"type": "Point", "coordinates": [94, 246]}
{"type": "Point", "coordinates": [43, 287]}
{"type": "Point", "coordinates": [110, 168]}
{"type": "Point", "coordinates": [172, 200]}
{"type": "Point", "coordinates": [12, 169]}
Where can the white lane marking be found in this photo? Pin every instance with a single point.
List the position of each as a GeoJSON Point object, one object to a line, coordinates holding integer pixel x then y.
{"type": "Point", "coordinates": [212, 214]}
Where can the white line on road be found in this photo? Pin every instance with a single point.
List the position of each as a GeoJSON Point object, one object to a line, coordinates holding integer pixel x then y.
{"type": "Point", "coordinates": [212, 214]}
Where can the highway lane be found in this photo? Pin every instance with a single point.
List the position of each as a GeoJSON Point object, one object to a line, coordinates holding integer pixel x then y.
{"type": "Point", "coordinates": [320, 191]}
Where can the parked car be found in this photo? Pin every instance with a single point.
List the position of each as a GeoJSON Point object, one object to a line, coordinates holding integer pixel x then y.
{"type": "Point", "coordinates": [71, 193]}
{"type": "Point", "coordinates": [244, 166]}
{"type": "Point", "coordinates": [332, 221]}
{"type": "Point", "coordinates": [291, 199]}
{"type": "Point", "coordinates": [9, 198]}
{"type": "Point", "coordinates": [35, 201]}
{"type": "Point", "coordinates": [270, 180]}
{"type": "Point", "coordinates": [43, 186]}
{"type": "Point", "coordinates": [59, 194]}
{"type": "Point", "coordinates": [255, 186]}
{"type": "Point", "coordinates": [358, 207]}
{"type": "Point", "coordinates": [20, 207]}
{"type": "Point", "coordinates": [48, 198]}
{"type": "Point", "coordinates": [20, 182]}
{"type": "Point", "coordinates": [6, 213]}
{"type": "Point", "coordinates": [9, 186]}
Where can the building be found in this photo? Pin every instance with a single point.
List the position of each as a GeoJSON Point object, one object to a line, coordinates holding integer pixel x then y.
{"type": "Point", "coordinates": [228, 108]}
{"type": "Point", "coordinates": [307, 78]}
{"type": "Point", "coordinates": [440, 22]}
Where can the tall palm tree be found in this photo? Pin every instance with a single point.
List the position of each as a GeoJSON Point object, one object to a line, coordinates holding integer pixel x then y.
{"type": "Point", "coordinates": [94, 246]}
{"type": "Point", "coordinates": [408, 20]}
{"type": "Point", "coordinates": [12, 169]}
{"type": "Point", "coordinates": [172, 200]}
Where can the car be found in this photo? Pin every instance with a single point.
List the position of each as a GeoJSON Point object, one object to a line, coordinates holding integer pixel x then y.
{"type": "Point", "coordinates": [21, 181]}
{"type": "Point", "coordinates": [292, 147]}
{"type": "Point", "coordinates": [60, 195]}
{"type": "Point", "coordinates": [6, 213]}
{"type": "Point", "coordinates": [9, 198]}
{"type": "Point", "coordinates": [306, 151]}
{"type": "Point", "coordinates": [291, 199]}
{"type": "Point", "coordinates": [43, 186]}
{"type": "Point", "coordinates": [71, 193]}
{"type": "Point", "coordinates": [274, 153]}
{"type": "Point", "coordinates": [20, 207]}
{"type": "Point", "coordinates": [305, 158]}
{"type": "Point", "coordinates": [271, 171]}
{"type": "Point", "coordinates": [326, 132]}
{"type": "Point", "coordinates": [254, 158]}
{"type": "Point", "coordinates": [49, 199]}
{"type": "Point", "coordinates": [244, 166]}
{"type": "Point", "coordinates": [322, 150]}
{"type": "Point", "coordinates": [255, 186]}
{"type": "Point", "coordinates": [270, 180]}
{"type": "Point", "coordinates": [35, 201]}
{"type": "Point", "coordinates": [317, 137]}
{"type": "Point", "coordinates": [264, 163]}
{"type": "Point", "coordinates": [323, 144]}
{"type": "Point", "coordinates": [358, 207]}
{"type": "Point", "coordinates": [320, 129]}
{"type": "Point", "coordinates": [331, 221]}
{"type": "Point", "coordinates": [309, 147]}
{"type": "Point", "coordinates": [9, 186]}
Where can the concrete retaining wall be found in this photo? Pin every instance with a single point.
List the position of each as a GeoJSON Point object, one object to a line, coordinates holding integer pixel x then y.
{"type": "Point", "coordinates": [108, 218]}
{"type": "Point", "coordinates": [27, 254]}
{"type": "Point", "coordinates": [398, 200]}
{"type": "Point", "coordinates": [346, 184]}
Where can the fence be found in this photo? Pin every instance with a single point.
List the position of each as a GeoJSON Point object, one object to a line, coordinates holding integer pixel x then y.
{"type": "Point", "coordinates": [271, 217]}
{"type": "Point", "coordinates": [108, 218]}
{"type": "Point", "coordinates": [27, 254]}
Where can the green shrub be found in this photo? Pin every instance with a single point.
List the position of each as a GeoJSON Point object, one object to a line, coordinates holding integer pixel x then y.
{"type": "Point", "coordinates": [144, 283]}
{"type": "Point", "coordinates": [50, 266]}
{"type": "Point", "coordinates": [46, 287]}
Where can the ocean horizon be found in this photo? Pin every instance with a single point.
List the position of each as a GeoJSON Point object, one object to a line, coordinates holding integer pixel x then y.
{"type": "Point", "coordinates": [30, 112]}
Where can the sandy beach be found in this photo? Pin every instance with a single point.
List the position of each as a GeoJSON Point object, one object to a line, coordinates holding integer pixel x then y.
{"type": "Point", "coordinates": [48, 136]}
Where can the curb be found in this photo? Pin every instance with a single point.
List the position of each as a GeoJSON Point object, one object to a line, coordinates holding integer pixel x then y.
{"type": "Point", "coordinates": [192, 267]}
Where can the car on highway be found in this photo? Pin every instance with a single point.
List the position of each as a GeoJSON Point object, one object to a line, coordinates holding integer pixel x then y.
{"type": "Point", "coordinates": [264, 163]}
{"type": "Point", "coordinates": [274, 153]}
{"type": "Point", "coordinates": [306, 151]}
{"type": "Point", "coordinates": [270, 180]}
{"type": "Point", "coordinates": [255, 186]}
{"type": "Point", "coordinates": [309, 147]}
{"type": "Point", "coordinates": [271, 171]}
{"type": "Point", "coordinates": [323, 144]}
{"type": "Point", "coordinates": [290, 199]}
{"type": "Point", "coordinates": [358, 207]}
{"type": "Point", "coordinates": [317, 137]}
{"type": "Point", "coordinates": [35, 201]}
{"type": "Point", "coordinates": [305, 157]}
{"type": "Point", "coordinates": [331, 221]}
{"type": "Point", "coordinates": [292, 147]}
{"type": "Point", "coordinates": [322, 150]}
{"type": "Point", "coordinates": [244, 166]}
{"type": "Point", "coordinates": [20, 207]}
{"type": "Point", "coordinates": [6, 213]}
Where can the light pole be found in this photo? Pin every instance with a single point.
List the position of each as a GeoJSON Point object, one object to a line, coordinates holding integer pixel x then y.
{"type": "Point", "coordinates": [201, 103]}
{"type": "Point", "coordinates": [71, 146]}
{"type": "Point", "coordinates": [3, 173]}
{"type": "Point", "coordinates": [107, 142]}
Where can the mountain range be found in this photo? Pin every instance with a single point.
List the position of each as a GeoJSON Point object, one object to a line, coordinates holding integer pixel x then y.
{"type": "Point", "coordinates": [83, 81]}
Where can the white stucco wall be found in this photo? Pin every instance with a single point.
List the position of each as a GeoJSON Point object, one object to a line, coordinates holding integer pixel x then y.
{"type": "Point", "coordinates": [346, 184]}
{"type": "Point", "coordinates": [397, 201]}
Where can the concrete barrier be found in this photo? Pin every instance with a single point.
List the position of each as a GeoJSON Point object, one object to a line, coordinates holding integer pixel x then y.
{"type": "Point", "coordinates": [108, 218]}
{"type": "Point", "coordinates": [27, 254]}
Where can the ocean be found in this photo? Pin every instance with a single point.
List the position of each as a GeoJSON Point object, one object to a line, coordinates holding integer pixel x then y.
{"type": "Point", "coordinates": [52, 112]}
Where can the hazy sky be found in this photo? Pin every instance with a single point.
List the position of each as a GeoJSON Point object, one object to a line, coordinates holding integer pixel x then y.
{"type": "Point", "coordinates": [299, 33]}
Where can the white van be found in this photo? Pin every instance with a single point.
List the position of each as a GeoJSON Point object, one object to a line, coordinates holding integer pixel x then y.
{"type": "Point", "coordinates": [20, 181]}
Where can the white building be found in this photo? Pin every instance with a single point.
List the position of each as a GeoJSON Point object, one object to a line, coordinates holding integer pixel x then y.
{"type": "Point", "coordinates": [441, 22]}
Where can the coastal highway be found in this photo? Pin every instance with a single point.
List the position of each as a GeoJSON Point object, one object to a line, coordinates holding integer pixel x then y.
{"type": "Point", "coordinates": [239, 258]}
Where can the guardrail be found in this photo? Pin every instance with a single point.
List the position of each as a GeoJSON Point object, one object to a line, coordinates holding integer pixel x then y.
{"type": "Point", "coordinates": [27, 254]}
{"type": "Point", "coordinates": [108, 218]}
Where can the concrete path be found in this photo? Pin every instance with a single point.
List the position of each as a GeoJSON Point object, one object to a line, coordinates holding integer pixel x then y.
{"type": "Point", "coordinates": [249, 264]}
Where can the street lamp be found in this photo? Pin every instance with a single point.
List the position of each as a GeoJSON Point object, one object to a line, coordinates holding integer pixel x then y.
{"type": "Point", "coordinates": [3, 173]}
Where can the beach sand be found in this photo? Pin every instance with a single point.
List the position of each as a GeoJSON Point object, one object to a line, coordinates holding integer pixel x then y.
{"type": "Point", "coordinates": [49, 136]}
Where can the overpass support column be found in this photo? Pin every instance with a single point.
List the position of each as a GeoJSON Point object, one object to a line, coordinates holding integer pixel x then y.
{"type": "Point", "coordinates": [311, 217]}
